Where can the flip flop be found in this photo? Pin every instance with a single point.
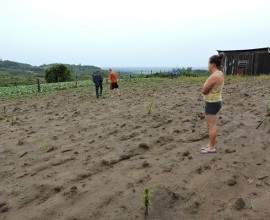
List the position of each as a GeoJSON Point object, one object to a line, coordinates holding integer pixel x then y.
{"type": "Point", "coordinates": [208, 151]}
{"type": "Point", "coordinates": [206, 147]}
{"type": "Point", "coordinates": [203, 148]}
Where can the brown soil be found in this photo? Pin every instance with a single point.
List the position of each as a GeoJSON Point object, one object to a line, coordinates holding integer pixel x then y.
{"type": "Point", "coordinates": [67, 155]}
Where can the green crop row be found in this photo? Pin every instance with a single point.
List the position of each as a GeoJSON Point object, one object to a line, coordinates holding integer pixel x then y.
{"type": "Point", "coordinates": [24, 90]}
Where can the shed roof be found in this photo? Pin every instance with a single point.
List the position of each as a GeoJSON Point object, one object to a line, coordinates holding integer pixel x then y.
{"type": "Point", "coordinates": [264, 49]}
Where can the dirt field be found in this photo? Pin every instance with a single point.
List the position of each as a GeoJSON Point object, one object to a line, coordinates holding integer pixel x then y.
{"type": "Point", "coordinates": [67, 155]}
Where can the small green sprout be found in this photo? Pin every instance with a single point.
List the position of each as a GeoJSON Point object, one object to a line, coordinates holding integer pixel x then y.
{"type": "Point", "coordinates": [146, 201]}
{"type": "Point", "coordinates": [9, 119]}
{"type": "Point", "coordinates": [150, 106]}
{"type": "Point", "coordinates": [44, 146]}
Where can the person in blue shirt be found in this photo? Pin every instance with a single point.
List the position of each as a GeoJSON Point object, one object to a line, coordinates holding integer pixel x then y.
{"type": "Point", "coordinates": [98, 80]}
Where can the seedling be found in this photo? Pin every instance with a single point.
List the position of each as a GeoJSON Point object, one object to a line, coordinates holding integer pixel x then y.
{"type": "Point", "coordinates": [9, 119]}
{"type": "Point", "coordinates": [150, 106]}
{"type": "Point", "coordinates": [44, 146]}
{"type": "Point", "coordinates": [146, 201]}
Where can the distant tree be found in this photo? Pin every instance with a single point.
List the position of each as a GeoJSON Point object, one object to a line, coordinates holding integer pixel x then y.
{"type": "Point", "coordinates": [58, 72]}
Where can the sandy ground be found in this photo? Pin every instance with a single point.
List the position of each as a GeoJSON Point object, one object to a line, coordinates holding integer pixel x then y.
{"type": "Point", "coordinates": [67, 155]}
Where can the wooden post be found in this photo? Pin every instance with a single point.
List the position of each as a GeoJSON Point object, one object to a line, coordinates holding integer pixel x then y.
{"type": "Point", "coordinates": [76, 85]}
{"type": "Point", "coordinates": [58, 83]}
{"type": "Point", "coordinates": [129, 77]}
{"type": "Point", "coordinates": [38, 85]}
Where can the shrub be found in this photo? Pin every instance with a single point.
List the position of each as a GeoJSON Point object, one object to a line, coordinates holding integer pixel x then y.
{"type": "Point", "coordinates": [58, 73]}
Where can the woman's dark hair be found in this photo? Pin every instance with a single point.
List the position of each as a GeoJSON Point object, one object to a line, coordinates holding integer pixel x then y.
{"type": "Point", "coordinates": [216, 59]}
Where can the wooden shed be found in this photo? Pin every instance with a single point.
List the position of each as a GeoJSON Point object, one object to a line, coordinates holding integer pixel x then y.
{"type": "Point", "coordinates": [246, 62]}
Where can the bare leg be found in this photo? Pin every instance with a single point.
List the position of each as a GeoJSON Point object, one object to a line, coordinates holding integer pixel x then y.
{"type": "Point", "coordinates": [118, 91]}
{"type": "Point", "coordinates": [112, 91]}
{"type": "Point", "coordinates": [211, 121]}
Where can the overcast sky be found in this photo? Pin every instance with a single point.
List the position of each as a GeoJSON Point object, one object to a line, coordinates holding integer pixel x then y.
{"type": "Point", "coordinates": [129, 32]}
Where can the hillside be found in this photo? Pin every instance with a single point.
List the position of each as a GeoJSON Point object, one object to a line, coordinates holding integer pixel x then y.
{"type": "Point", "coordinates": [11, 65]}
{"type": "Point", "coordinates": [12, 72]}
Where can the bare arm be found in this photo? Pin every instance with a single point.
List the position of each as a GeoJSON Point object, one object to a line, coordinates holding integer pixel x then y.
{"type": "Point", "coordinates": [208, 85]}
{"type": "Point", "coordinates": [109, 77]}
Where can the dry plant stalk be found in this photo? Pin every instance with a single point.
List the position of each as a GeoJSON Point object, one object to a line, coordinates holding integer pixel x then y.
{"type": "Point", "coordinates": [267, 115]}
